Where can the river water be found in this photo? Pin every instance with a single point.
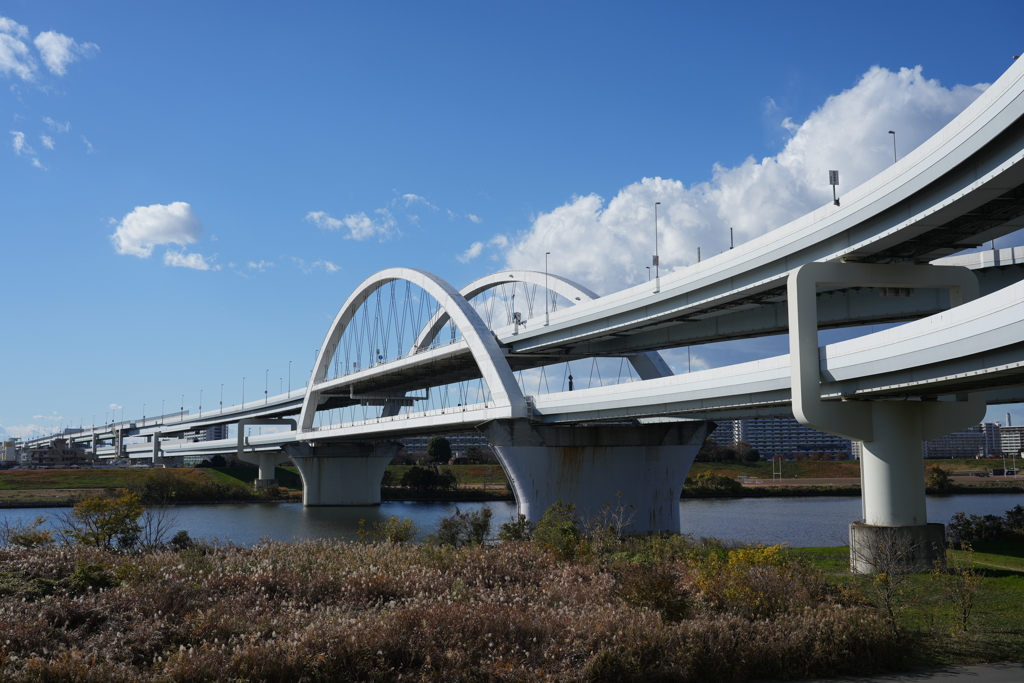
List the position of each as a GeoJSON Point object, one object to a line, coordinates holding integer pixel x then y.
{"type": "Point", "coordinates": [797, 521]}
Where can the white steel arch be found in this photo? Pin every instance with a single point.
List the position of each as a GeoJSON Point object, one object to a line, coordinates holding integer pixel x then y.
{"type": "Point", "coordinates": [648, 365]}
{"type": "Point", "coordinates": [495, 370]}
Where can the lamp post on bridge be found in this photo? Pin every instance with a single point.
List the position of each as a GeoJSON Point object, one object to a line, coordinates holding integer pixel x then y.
{"type": "Point", "coordinates": [243, 392]}
{"type": "Point", "coordinates": [200, 403]}
{"type": "Point", "coordinates": [547, 292]}
{"type": "Point", "coordinates": [221, 398]}
{"type": "Point", "coordinates": [182, 413]}
{"type": "Point", "coordinates": [893, 134]}
{"type": "Point", "coordinates": [266, 387]}
{"type": "Point", "coordinates": [656, 264]}
{"type": "Point", "coordinates": [289, 379]}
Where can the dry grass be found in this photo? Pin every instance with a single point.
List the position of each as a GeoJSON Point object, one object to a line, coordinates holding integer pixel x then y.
{"type": "Point", "coordinates": [656, 610]}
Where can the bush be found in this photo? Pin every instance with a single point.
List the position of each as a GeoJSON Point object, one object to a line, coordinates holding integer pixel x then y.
{"type": "Point", "coordinates": [391, 530]}
{"type": "Point", "coordinates": [518, 529]}
{"type": "Point", "coordinates": [938, 479]}
{"type": "Point", "coordinates": [26, 534]}
{"type": "Point", "coordinates": [558, 531]}
{"type": "Point", "coordinates": [424, 479]}
{"type": "Point", "coordinates": [106, 523]}
{"type": "Point", "coordinates": [714, 484]}
{"type": "Point", "coordinates": [464, 528]}
{"type": "Point", "coordinates": [965, 528]}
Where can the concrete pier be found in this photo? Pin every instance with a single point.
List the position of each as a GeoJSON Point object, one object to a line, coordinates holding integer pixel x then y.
{"type": "Point", "coordinates": [639, 466]}
{"type": "Point", "coordinates": [340, 474]}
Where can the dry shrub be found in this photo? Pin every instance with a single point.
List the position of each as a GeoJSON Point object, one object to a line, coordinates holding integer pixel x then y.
{"type": "Point", "coordinates": [333, 611]}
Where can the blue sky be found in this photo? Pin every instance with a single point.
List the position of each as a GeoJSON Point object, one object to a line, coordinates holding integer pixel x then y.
{"type": "Point", "coordinates": [316, 143]}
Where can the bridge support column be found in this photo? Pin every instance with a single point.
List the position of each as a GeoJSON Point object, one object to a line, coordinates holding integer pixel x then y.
{"type": "Point", "coordinates": [643, 466]}
{"type": "Point", "coordinates": [342, 474]}
{"type": "Point", "coordinates": [894, 532]}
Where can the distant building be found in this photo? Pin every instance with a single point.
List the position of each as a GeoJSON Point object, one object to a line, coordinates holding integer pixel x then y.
{"type": "Point", "coordinates": [459, 442]}
{"type": "Point", "coordinates": [978, 441]}
{"type": "Point", "coordinates": [1011, 439]}
{"type": "Point", "coordinates": [9, 451]}
{"type": "Point", "coordinates": [781, 436]}
{"type": "Point", "coordinates": [215, 433]}
{"type": "Point", "coordinates": [57, 455]}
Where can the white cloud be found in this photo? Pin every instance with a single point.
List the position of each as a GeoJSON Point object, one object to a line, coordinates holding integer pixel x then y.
{"type": "Point", "coordinates": [47, 141]}
{"type": "Point", "coordinates": [416, 199]}
{"type": "Point", "coordinates": [474, 250]}
{"type": "Point", "coordinates": [114, 406]}
{"type": "Point", "coordinates": [59, 50]}
{"type": "Point", "coordinates": [88, 146]}
{"type": "Point", "coordinates": [148, 226]}
{"type": "Point", "coordinates": [328, 266]}
{"type": "Point", "coordinates": [261, 266]}
{"type": "Point", "coordinates": [474, 218]}
{"type": "Point", "coordinates": [180, 259]}
{"type": "Point", "coordinates": [360, 226]}
{"type": "Point", "coordinates": [477, 248]}
{"type": "Point", "coordinates": [56, 126]}
{"type": "Point", "coordinates": [38, 164]}
{"type": "Point", "coordinates": [15, 56]}
{"type": "Point", "coordinates": [607, 245]}
{"type": "Point", "coordinates": [20, 146]}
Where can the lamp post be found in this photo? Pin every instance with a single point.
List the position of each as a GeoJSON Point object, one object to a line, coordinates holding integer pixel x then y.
{"type": "Point", "coordinates": [893, 134]}
{"type": "Point", "coordinates": [648, 273]}
{"type": "Point", "coordinates": [547, 292]}
{"type": "Point", "coordinates": [266, 387]}
{"type": "Point", "coordinates": [657, 266]}
{"type": "Point", "coordinates": [222, 398]}
{"type": "Point", "coordinates": [200, 403]}
{"type": "Point", "coordinates": [243, 392]}
{"type": "Point", "coordinates": [289, 379]}
{"type": "Point", "coordinates": [143, 413]}
{"type": "Point", "coordinates": [182, 407]}
{"type": "Point", "coordinates": [162, 401]}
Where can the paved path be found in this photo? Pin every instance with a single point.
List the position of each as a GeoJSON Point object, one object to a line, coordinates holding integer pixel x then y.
{"type": "Point", "coordinates": [982, 673]}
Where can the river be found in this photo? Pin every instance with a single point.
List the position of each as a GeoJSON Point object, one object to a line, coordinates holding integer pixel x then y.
{"type": "Point", "coordinates": [796, 521]}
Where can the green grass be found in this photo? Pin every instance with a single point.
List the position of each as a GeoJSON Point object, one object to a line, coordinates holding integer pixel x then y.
{"type": "Point", "coordinates": [26, 480]}
{"type": "Point", "coordinates": [928, 619]}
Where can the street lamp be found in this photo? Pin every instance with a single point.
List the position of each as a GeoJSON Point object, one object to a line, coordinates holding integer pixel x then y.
{"type": "Point", "coordinates": [266, 387]}
{"type": "Point", "coordinates": [182, 406]}
{"type": "Point", "coordinates": [547, 292]}
{"type": "Point", "coordinates": [648, 273]}
{"type": "Point", "coordinates": [243, 392]}
{"type": "Point", "coordinates": [221, 398]}
{"type": "Point", "coordinates": [289, 379]}
{"type": "Point", "coordinates": [657, 271]}
{"type": "Point", "coordinates": [893, 134]}
{"type": "Point", "coordinates": [200, 403]}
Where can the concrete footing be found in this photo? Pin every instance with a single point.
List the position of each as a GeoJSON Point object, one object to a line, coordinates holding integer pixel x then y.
{"type": "Point", "coordinates": [889, 549]}
{"type": "Point", "coordinates": [641, 467]}
{"type": "Point", "coordinates": [342, 474]}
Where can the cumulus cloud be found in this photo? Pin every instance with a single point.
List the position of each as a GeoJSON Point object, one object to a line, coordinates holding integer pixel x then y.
{"type": "Point", "coordinates": [360, 226]}
{"type": "Point", "coordinates": [473, 217]}
{"type": "Point", "coordinates": [148, 226]}
{"type": "Point", "coordinates": [59, 50]}
{"type": "Point", "coordinates": [607, 245]}
{"type": "Point", "coordinates": [15, 57]}
{"type": "Point", "coordinates": [114, 406]}
{"type": "Point", "coordinates": [326, 265]}
{"type": "Point", "coordinates": [180, 259]}
{"type": "Point", "coordinates": [474, 250]}
{"type": "Point", "coordinates": [261, 266]}
{"type": "Point", "coordinates": [47, 141]}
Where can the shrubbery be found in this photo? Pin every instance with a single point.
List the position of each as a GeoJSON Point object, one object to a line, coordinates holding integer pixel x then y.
{"type": "Point", "coordinates": [712, 484]}
{"type": "Point", "coordinates": [426, 479]}
{"type": "Point", "coordinates": [965, 528]}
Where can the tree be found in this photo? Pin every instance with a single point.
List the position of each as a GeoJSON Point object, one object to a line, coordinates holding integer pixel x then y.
{"type": "Point", "coordinates": [938, 479]}
{"type": "Point", "coordinates": [106, 523]}
{"type": "Point", "coordinates": [439, 449]}
{"type": "Point", "coordinates": [464, 528]}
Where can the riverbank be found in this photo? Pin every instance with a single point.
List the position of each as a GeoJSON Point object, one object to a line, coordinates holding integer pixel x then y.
{"type": "Point", "coordinates": [597, 610]}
